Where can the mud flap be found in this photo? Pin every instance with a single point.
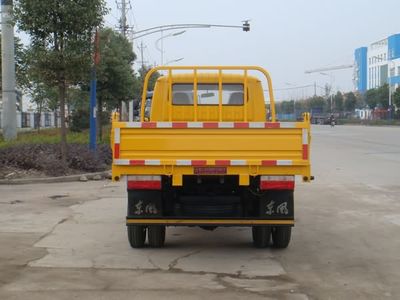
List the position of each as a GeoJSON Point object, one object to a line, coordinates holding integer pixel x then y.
{"type": "Point", "coordinates": [277, 205]}
{"type": "Point", "coordinates": [144, 204]}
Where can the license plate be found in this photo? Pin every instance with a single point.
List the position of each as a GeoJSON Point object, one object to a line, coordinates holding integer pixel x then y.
{"type": "Point", "coordinates": [210, 170]}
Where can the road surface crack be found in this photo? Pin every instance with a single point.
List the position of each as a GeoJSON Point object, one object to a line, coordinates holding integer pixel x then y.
{"type": "Point", "coordinates": [173, 263]}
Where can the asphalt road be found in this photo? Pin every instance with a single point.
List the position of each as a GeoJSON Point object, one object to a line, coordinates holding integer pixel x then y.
{"type": "Point", "coordinates": [68, 241]}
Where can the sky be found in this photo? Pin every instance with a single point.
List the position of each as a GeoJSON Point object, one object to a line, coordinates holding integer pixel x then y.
{"type": "Point", "coordinates": [287, 37]}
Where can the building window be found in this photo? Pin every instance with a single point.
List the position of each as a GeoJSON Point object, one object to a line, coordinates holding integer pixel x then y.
{"type": "Point", "coordinates": [47, 120]}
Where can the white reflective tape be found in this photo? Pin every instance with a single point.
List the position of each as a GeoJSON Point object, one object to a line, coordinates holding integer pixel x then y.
{"type": "Point", "coordinates": [117, 135]}
{"type": "Point", "coordinates": [305, 137]}
{"type": "Point", "coordinates": [183, 162]}
{"type": "Point", "coordinates": [237, 162]}
{"type": "Point", "coordinates": [288, 125]}
{"type": "Point", "coordinates": [277, 178]}
{"type": "Point", "coordinates": [256, 125]}
{"type": "Point", "coordinates": [284, 162]}
{"type": "Point", "coordinates": [195, 124]}
{"type": "Point", "coordinates": [225, 125]}
{"type": "Point", "coordinates": [143, 178]}
{"type": "Point", "coordinates": [152, 162]}
{"type": "Point", "coordinates": [121, 162]}
{"type": "Point", "coordinates": [164, 125]}
{"type": "Point", "coordinates": [133, 124]}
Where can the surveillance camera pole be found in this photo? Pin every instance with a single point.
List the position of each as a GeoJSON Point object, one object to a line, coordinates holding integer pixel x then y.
{"type": "Point", "coordinates": [9, 116]}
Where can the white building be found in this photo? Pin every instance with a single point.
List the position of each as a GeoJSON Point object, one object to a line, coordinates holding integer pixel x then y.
{"type": "Point", "coordinates": [378, 64]}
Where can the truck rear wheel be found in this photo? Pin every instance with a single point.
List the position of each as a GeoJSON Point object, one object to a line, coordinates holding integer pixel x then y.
{"type": "Point", "coordinates": [261, 236]}
{"type": "Point", "coordinates": [136, 235]}
{"type": "Point", "coordinates": [156, 235]}
{"type": "Point", "coordinates": [281, 236]}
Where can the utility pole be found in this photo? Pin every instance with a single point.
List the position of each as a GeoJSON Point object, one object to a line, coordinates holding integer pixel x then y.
{"type": "Point", "coordinates": [124, 6]}
{"type": "Point", "coordinates": [141, 48]}
{"type": "Point", "coordinates": [9, 95]}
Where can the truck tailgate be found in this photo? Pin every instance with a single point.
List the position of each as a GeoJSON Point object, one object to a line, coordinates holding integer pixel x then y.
{"type": "Point", "coordinates": [241, 148]}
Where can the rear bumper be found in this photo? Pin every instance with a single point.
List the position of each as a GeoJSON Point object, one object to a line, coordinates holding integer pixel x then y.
{"type": "Point", "coordinates": [206, 222]}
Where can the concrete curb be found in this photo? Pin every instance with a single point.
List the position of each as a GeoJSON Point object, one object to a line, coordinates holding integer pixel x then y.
{"type": "Point", "coordinates": [69, 178]}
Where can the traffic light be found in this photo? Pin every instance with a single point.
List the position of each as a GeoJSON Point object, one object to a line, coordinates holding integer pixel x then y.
{"type": "Point", "coordinates": [246, 26]}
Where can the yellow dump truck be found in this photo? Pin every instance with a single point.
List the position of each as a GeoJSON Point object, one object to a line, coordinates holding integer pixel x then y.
{"type": "Point", "coordinates": [210, 153]}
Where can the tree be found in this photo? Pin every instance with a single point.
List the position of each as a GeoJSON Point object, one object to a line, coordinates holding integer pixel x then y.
{"type": "Point", "coordinates": [396, 98]}
{"type": "Point", "coordinates": [338, 102]}
{"type": "Point", "coordinates": [20, 64]}
{"type": "Point", "coordinates": [371, 98]}
{"type": "Point", "coordinates": [61, 33]}
{"type": "Point", "coordinates": [350, 102]}
{"type": "Point", "coordinates": [44, 97]}
{"type": "Point", "coordinates": [115, 77]}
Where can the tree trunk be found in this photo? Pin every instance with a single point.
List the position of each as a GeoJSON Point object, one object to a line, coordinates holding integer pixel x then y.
{"type": "Point", "coordinates": [40, 116]}
{"type": "Point", "coordinates": [62, 88]}
{"type": "Point", "coordinates": [99, 120]}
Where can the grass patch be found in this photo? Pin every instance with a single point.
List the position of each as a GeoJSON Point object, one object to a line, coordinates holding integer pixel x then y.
{"type": "Point", "coordinates": [52, 136]}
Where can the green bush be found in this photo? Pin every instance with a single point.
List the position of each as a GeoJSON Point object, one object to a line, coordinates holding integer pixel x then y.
{"type": "Point", "coordinates": [79, 120]}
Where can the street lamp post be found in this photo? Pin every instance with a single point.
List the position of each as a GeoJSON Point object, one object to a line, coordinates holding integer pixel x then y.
{"type": "Point", "coordinates": [331, 86]}
{"type": "Point", "coordinates": [161, 49]}
{"type": "Point", "coordinates": [174, 61]}
{"type": "Point", "coordinates": [141, 33]}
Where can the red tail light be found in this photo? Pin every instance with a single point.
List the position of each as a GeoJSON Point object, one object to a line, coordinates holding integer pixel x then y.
{"type": "Point", "coordinates": [141, 182]}
{"type": "Point", "coordinates": [277, 183]}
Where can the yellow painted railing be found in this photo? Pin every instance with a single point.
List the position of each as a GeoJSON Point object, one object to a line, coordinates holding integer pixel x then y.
{"type": "Point", "coordinates": [220, 70]}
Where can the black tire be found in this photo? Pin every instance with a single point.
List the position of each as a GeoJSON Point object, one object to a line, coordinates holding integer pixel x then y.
{"type": "Point", "coordinates": [156, 235]}
{"type": "Point", "coordinates": [261, 236]}
{"type": "Point", "coordinates": [136, 235]}
{"type": "Point", "coordinates": [281, 236]}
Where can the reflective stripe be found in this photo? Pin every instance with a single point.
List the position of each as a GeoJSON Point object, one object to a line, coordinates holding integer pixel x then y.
{"type": "Point", "coordinates": [121, 162]}
{"type": "Point", "coordinates": [284, 162]}
{"type": "Point", "coordinates": [237, 125]}
{"type": "Point", "coordinates": [305, 137]}
{"type": "Point", "coordinates": [183, 162]}
{"type": "Point", "coordinates": [133, 125]}
{"type": "Point", "coordinates": [117, 135]}
{"type": "Point", "coordinates": [277, 182]}
{"type": "Point", "coordinates": [277, 178]}
{"type": "Point", "coordinates": [164, 124]}
{"type": "Point", "coordinates": [226, 125]}
{"type": "Point", "coordinates": [235, 162]}
{"type": "Point", "coordinates": [256, 125]}
{"type": "Point", "coordinates": [287, 125]}
{"type": "Point", "coordinates": [152, 162]}
{"type": "Point", "coordinates": [143, 182]}
{"type": "Point", "coordinates": [143, 178]}
{"type": "Point", "coordinates": [195, 125]}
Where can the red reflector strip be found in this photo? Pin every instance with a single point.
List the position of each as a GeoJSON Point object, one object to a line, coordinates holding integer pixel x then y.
{"type": "Point", "coordinates": [116, 151]}
{"type": "Point", "coordinates": [179, 125]}
{"type": "Point", "coordinates": [277, 185]}
{"type": "Point", "coordinates": [144, 182]}
{"type": "Point", "coordinates": [272, 125]}
{"type": "Point", "coordinates": [149, 125]}
{"type": "Point", "coordinates": [305, 151]}
{"type": "Point", "coordinates": [210, 125]}
{"type": "Point", "coordinates": [137, 162]}
{"type": "Point", "coordinates": [222, 162]}
{"type": "Point", "coordinates": [144, 185]}
{"type": "Point", "coordinates": [199, 162]}
{"type": "Point", "coordinates": [268, 162]}
{"type": "Point", "coordinates": [241, 125]}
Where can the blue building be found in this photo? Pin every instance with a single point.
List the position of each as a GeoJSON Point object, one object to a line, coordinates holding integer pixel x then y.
{"type": "Point", "coordinates": [378, 64]}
